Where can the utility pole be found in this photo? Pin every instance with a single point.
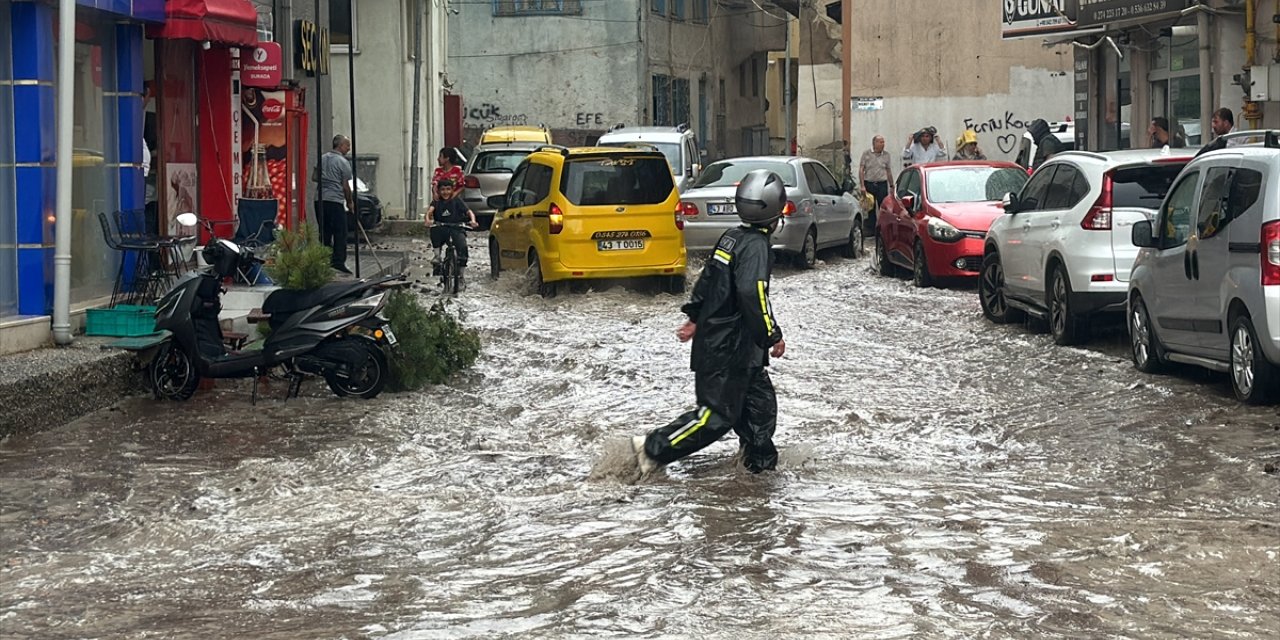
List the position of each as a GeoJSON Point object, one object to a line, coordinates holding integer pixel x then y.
{"type": "Point", "coordinates": [413, 207]}
{"type": "Point", "coordinates": [355, 164]}
{"type": "Point", "coordinates": [786, 89]}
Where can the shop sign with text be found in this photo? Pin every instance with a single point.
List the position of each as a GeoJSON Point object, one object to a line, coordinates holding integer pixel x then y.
{"type": "Point", "coordinates": [1021, 18]}
{"type": "Point", "coordinates": [264, 66]}
{"type": "Point", "coordinates": [1100, 12]}
{"type": "Point", "coordinates": [313, 48]}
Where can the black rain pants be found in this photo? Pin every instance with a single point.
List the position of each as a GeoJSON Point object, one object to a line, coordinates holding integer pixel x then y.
{"type": "Point", "coordinates": [739, 399]}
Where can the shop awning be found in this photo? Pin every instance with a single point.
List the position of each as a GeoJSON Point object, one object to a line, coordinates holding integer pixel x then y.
{"type": "Point", "coordinates": [232, 22]}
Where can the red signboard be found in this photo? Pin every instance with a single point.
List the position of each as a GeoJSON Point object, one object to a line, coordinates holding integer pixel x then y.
{"type": "Point", "coordinates": [263, 66]}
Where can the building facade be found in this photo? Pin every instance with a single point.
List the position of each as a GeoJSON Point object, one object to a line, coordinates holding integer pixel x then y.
{"type": "Point", "coordinates": [384, 67]}
{"type": "Point", "coordinates": [909, 64]}
{"type": "Point", "coordinates": [581, 67]}
{"type": "Point", "coordinates": [1177, 59]}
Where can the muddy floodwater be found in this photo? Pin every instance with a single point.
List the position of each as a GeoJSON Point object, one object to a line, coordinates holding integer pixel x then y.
{"type": "Point", "coordinates": [941, 477]}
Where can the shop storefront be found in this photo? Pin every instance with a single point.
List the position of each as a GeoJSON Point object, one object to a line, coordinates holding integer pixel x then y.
{"type": "Point", "coordinates": [107, 156]}
{"type": "Point", "coordinates": [1136, 60]}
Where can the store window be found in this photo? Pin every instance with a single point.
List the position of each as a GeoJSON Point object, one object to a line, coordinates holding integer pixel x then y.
{"type": "Point", "coordinates": [8, 204]}
{"type": "Point", "coordinates": [1175, 83]}
{"type": "Point", "coordinates": [94, 181]}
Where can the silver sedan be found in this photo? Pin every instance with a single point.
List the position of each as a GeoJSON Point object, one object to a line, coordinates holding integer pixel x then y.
{"type": "Point", "coordinates": [818, 215]}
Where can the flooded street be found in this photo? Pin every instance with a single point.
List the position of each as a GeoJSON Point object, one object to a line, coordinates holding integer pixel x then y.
{"type": "Point", "coordinates": [941, 477]}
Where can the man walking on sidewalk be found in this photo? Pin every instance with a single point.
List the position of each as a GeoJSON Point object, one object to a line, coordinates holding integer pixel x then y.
{"type": "Point", "coordinates": [875, 174]}
{"type": "Point", "coordinates": [337, 198]}
{"type": "Point", "coordinates": [734, 332]}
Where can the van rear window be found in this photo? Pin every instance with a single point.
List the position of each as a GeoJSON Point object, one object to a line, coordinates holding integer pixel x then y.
{"type": "Point", "coordinates": [1143, 186]}
{"type": "Point", "coordinates": [617, 179]}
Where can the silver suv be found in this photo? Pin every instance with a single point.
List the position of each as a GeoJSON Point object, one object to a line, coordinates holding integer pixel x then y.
{"type": "Point", "coordinates": [1062, 253]}
{"type": "Point", "coordinates": [1206, 285]}
{"type": "Point", "coordinates": [489, 171]}
{"type": "Point", "coordinates": [678, 144]}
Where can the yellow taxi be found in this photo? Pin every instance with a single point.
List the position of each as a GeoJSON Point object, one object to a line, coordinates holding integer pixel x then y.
{"type": "Point", "coordinates": [590, 213]}
{"type": "Point", "coordinates": [498, 135]}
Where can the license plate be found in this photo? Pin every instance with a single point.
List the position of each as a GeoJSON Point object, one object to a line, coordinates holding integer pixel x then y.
{"type": "Point", "coordinates": [386, 331]}
{"type": "Point", "coordinates": [721, 209]}
{"type": "Point", "coordinates": [619, 245]}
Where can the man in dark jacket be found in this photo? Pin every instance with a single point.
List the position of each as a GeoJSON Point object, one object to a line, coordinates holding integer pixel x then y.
{"type": "Point", "coordinates": [1047, 144]}
{"type": "Point", "coordinates": [734, 332]}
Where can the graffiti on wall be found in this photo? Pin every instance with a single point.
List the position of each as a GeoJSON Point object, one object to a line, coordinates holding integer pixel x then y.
{"type": "Point", "coordinates": [491, 114]}
{"type": "Point", "coordinates": [1004, 130]}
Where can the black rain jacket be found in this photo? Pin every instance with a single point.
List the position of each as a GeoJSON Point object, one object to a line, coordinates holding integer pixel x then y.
{"type": "Point", "coordinates": [730, 304]}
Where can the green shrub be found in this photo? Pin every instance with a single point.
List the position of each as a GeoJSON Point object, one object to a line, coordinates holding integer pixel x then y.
{"type": "Point", "coordinates": [300, 261]}
{"type": "Point", "coordinates": [433, 344]}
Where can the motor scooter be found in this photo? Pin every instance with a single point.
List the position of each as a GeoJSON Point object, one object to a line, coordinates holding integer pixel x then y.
{"type": "Point", "coordinates": [334, 332]}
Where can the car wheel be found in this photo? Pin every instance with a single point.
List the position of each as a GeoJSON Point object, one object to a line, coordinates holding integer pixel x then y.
{"type": "Point", "coordinates": [1252, 378]}
{"type": "Point", "coordinates": [1148, 353]}
{"type": "Point", "coordinates": [674, 284]}
{"type": "Point", "coordinates": [991, 292]}
{"type": "Point", "coordinates": [920, 268]}
{"type": "Point", "coordinates": [808, 257]}
{"type": "Point", "coordinates": [855, 247]}
{"type": "Point", "coordinates": [542, 288]}
{"type": "Point", "coordinates": [1067, 328]}
{"type": "Point", "coordinates": [495, 259]}
{"type": "Point", "coordinates": [882, 258]}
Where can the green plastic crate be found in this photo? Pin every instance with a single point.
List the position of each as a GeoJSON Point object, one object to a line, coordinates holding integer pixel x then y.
{"type": "Point", "coordinates": [122, 321]}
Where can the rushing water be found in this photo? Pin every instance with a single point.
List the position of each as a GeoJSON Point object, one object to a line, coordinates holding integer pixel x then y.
{"type": "Point", "coordinates": [941, 477]}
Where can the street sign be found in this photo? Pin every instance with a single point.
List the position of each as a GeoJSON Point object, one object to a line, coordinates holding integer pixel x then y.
{"type": "Point", "coordinates": [1022, 18]}
{"type": "Point", "coordinates": [264, 66]}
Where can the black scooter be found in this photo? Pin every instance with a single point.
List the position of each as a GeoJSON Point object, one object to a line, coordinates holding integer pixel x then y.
{"type": "Point", "coordinates": [333, 331]}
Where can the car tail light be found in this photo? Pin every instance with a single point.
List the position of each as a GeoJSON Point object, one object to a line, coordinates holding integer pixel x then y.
{"type": "Point", "coordinates": [471, 182]}
{"type": "Point", "coordinates": [789, 208]}
{"type": "Point", "coordinates": [556, 219]}
{"type": "Point", "coordinates": [1102, 277]}
{"type": "Point", "coordinates": [685, 210]}
{"type": "Point", "coordinates": [1099, 216]}
{"type": "Point", "coordinates": [1271, 253]}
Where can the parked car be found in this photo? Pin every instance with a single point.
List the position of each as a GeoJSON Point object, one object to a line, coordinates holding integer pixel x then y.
{"type": "Point", "coordinates": [1062, 252]}
{"type": "Point", "coordinates": [589, 213]}
{"type": "Point", "coordinates": [488, 174]}
{"type": "Point", "coordinates": [496, 135]}
{"type": "Point", "coordinates": [818, 214]}
{"type": "Point", "coordinates": [678, 144]}
{"type": "Point", "coordinates": [370, 209]}
{"type": "Point", "coordinates": [1206, 283]}
{"type": "Point", "coordinates": [935, 223]}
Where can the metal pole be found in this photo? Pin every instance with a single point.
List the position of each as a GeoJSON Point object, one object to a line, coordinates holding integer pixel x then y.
{"type": "Point", "coordinates": [413, 207]}
{"type": "Point", "coordinates": [786, 89]}
{"type": "Point", "coordinates": [318, 207]}
{"type": "Point", "coordinates": [355, 172]}
{"type": "Point", "coordinates": [62, 202]}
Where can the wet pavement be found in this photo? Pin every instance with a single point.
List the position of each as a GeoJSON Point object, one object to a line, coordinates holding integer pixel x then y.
{"type": "Point", "coordinates": [941, 477]}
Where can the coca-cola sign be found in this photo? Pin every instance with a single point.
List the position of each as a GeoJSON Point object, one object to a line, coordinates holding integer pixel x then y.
{"type": "Point", "coordinates": [1022, 18]}
{"type": "Point", "coordinates": [272, 109]}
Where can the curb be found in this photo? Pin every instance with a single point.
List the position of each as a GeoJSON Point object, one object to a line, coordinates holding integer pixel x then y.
{"type": "Point", "coordinates": [61, 394]}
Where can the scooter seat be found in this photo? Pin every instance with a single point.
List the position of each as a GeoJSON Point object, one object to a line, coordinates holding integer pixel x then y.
{"type": "Point", "coordinates": [283, 302]}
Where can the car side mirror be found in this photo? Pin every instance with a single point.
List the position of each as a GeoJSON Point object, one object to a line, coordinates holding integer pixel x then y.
{"type": "Point", "coordinates": [498, 202]}
{"type": "Point", "coordinates": [909, 202]}
{"type": "Point", "coordinates": [1010, 202]}
{"type": "Point", "coordinates": [1142, 236]}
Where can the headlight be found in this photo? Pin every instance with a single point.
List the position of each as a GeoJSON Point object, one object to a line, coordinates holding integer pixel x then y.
{"type": "Point", "coordinates": [943, 231]}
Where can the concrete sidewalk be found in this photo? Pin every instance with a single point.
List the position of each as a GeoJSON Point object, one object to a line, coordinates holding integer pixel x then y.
{"type": "Point", "coordinates": [49, 386]}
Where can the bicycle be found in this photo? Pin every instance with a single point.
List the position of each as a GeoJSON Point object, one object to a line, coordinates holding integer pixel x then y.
{"type": "Point", "coordinates": [450, 271]}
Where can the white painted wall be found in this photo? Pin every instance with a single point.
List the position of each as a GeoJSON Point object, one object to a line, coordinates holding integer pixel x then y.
{"type": "Point", "coordinates": [818, 123]}
{"type": "Point", "coordinates": [1000, 119]}
{"type": "Point", "coordinates": [384, 99]}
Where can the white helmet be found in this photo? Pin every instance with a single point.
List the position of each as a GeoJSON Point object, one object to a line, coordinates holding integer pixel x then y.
{"type": "Point", "coordinates": [760, 198]}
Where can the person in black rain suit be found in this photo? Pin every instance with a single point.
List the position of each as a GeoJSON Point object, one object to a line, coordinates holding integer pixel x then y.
{"type": "Point", "coordinates": [734, 332]}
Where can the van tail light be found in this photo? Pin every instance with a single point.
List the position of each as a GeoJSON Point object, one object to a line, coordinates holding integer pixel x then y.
{"type": "Point", "coordinates": [685, 210]}
{"type": "Point", "coordinates": [1099, 216]}
{"type": "Point", "coordinates": [789, 208]}
{"type": "Point", "coordinates": [471, 182]}
{"type": "Point", "coordinates": [1271, 253]}
{"type": "Point", "coordinates": [556, 219]}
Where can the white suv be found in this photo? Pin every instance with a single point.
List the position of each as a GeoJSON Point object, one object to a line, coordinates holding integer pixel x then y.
{"type": "Point", "coordinates": [1063, 250]}
{"type": "Point", "coordinates": [678, 144]}
{"type": "Point", "coordinates": [1206, 284]}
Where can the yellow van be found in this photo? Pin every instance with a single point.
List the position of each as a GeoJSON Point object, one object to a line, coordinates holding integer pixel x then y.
{"type": "Point", "coordinates": [588, 213]}
{"type": "Point", "coordinates": [498, 135]}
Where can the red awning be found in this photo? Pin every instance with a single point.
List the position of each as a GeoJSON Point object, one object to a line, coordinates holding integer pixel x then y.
{"type": "Point", "coordinates": [232, 22]}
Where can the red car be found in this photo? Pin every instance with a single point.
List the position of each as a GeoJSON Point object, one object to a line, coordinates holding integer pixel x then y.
{"type": "Point", "coordinates": [935, 222]}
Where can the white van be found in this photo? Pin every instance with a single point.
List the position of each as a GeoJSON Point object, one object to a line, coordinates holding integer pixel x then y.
{"type": "Point", "coordinates": [678, 144]}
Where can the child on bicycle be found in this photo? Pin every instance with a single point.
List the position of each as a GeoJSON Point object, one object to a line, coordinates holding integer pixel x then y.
{"type": "Point", "coordinates": [448, 210]}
